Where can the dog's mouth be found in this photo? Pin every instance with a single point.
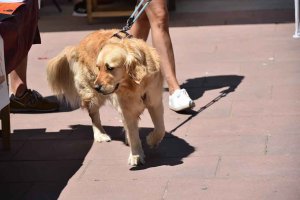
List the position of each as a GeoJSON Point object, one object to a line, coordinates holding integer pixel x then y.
{"type": "Point", "coordinates": [104, 92]}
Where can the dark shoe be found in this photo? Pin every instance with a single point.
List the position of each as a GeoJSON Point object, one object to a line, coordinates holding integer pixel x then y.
{"type": "Point", "coordinates": [31, 102]}
{"type": "Point", "coordinates": [79, 9]}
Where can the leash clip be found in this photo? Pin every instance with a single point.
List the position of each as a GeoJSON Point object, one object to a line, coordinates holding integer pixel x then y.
{"type": "Point", "coordinates": [136, 14]}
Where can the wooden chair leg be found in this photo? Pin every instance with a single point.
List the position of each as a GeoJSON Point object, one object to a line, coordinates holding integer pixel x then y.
{"type": "Point", "coordinates": [89, 5]}
{"type": "Point", "coordinates": [5, 121]}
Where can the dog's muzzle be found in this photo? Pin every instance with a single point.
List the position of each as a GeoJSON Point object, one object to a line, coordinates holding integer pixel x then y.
{"type": "Point", "coordinates": [101, 89]}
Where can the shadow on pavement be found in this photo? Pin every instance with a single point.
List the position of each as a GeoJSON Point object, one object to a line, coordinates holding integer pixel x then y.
{"type": "Point", "coordinates": [63, 105]}
{"type": "Point", "coordinates": [41, 163]}
{"type": "Point", "coordinates": [197, 86]}
{"type": "Point", "coordinates": [171, 151]}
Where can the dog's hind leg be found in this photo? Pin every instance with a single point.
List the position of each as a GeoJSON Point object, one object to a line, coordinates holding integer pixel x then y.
{"type": "Point", "coordinates": [99, 132]}
{"type": "Point", "coordinates": [156, 112]}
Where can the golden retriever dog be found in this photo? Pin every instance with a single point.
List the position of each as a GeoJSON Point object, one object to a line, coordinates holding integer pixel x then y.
{"type": "Point", "coordinates": [108, 66]}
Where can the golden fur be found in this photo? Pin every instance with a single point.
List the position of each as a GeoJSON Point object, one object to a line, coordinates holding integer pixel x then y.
{"type": "Point", "coordinates": [125, 71]}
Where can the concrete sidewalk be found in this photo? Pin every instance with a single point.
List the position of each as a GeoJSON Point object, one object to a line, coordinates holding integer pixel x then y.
{"type": "Point", "coordinates": [241, 142]}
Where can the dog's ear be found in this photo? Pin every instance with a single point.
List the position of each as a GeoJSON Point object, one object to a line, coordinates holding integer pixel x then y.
{"type": "Point", "coordinates": [135, 67]}
{"type": "Point", "coordinates": [141, 60]}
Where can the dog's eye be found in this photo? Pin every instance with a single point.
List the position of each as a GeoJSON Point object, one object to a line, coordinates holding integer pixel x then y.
{"type": "Point", "coordinates": [109, 68]}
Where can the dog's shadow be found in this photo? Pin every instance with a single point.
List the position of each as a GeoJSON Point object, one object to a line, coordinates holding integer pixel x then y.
{"type": "Point", "coordinates": [171, 151]}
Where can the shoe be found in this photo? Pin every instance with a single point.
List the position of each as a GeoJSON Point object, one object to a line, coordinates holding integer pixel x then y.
{"type": "Point", "coordinates": [180, 100]}
{"type": "Point", "coordinates": [31, 102]}
{"type": "Point", "coordinates": [79, 9]}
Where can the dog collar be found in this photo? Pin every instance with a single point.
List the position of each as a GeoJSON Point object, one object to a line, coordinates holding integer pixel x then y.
{"type": "Point", "coordinates": [122, 34]}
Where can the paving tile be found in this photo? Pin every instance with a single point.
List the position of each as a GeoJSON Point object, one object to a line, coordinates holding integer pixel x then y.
{"type": "Point", "coordinates": [251, 125]}
{"type": "Point", "coordinates": [54, 150]}
{"type": "Point", "coordinates": [283, 30]}
{"type": "Point", "coordinates": [285, 73]}
{"type": "Point", "coordinates": [14, 190]}
{"type": "Point", "coordinates": [237, 52]}
{"type": "Point", "coordinates": [108, 151]}
{"type": "Point", "coordinates": [45, 190]}
{"type": "Point", "coordinates": [255, 72]}
{"type": "Point", "coordinates": [286, 49]}
{"type": "Point", "coordinates": [283, 144]}
{"type": "Point", "coordinates": [29, 171]}
{"type": "Point", "coordinates": [259, 166]}
{"type": "Point", "coordinates": [233, 189]}
{"type": "Point", "coordinates": [115, 189]}
{"type": "Point", "coordinates": [285, 124]}
{"type": "Point", "coordinates": [229, 145]}
{"type": "Point", "coordinates": [248, 92]}
{"type": "Point", "coordinates": [250, 108]}
{"type": "Point", "coordinates": [244, 125]}
{"type": "Point", "coordinates": [286, 92]}
{"type": "Point", "coordinates": [268, 108]}
{"type": "Point", "coordinates": [155, 168]}
{"type": "Point", "coordinates": [233, 126]}
{"type": "Point", "coordinates": [16, 146]}
{"type": "Point", "coordinates": [285, 107]}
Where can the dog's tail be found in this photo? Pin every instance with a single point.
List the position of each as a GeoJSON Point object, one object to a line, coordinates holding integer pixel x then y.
{"type": "Point", "coordinates": [61, 77]}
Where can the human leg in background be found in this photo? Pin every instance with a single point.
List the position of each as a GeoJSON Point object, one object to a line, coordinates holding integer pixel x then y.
{"type": "Point", "coordinates": [18, 79]}
{"type": "Point", "coordinates": [23, 99]}
{"type": "Point", "coordinates": [79, 9]}
{"type": "Point", "coordinates": [141, 27]}
{"type": "Point", "coordinates": [157, 18]}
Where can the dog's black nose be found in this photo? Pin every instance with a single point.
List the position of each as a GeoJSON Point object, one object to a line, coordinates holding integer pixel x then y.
{"type": "Point", "coordinates": [98, 87]}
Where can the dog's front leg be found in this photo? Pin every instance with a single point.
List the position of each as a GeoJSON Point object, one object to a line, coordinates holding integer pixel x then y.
{"type": "Point", "coordinates": [136, 155]}
{"type": "Point", "coordinates": [156, 113]}
{"type": "Point", "coordinates": [99, 132]}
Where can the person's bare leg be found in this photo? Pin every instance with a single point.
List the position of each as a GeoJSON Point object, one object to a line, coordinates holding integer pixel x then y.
{"type": "Point", "coordinates": [157, 13]}
{"type": "Point", "coordinates": [23, 99]}
{"type": "Point", "coordinates": [141, 27]}
{"type": "Point", "coordinates": [158, 20]}
{"type": "Point", "coordinates": [18, 79]}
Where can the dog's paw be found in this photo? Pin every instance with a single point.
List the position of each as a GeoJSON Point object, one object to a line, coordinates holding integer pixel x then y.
{"type": "Point", "coordinates": [101, 137]}
{"type": "Point", "coordinates": [135, 160]}
{"type": "Point", "coordinates": [153, 140]}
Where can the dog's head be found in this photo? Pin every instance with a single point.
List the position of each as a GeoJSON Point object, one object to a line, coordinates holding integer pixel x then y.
{"type": "Point", "coordinates": [120, 63]}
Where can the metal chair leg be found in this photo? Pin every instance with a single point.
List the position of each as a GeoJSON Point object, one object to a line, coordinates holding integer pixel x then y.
{"type": "Point", "coordinates": [297, 31]}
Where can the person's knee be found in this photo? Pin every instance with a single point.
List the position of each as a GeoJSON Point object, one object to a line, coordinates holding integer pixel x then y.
{"type": "Point", "coordinates": [161, 19]}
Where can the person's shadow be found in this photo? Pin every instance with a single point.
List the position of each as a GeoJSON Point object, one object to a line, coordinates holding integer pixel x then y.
{"type": "Point", "coordinates": [196, 87]}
